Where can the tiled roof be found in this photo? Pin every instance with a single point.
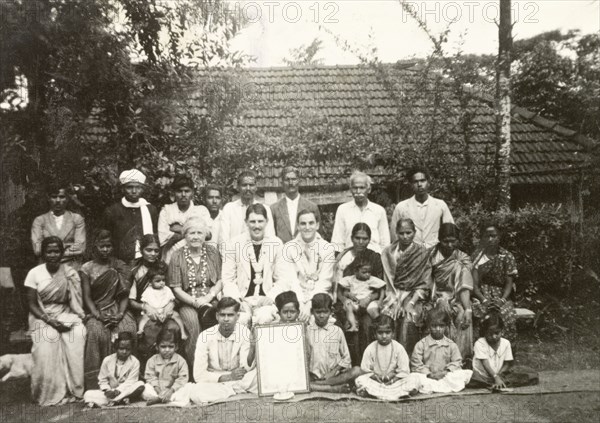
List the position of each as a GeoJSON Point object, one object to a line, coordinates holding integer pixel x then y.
{"type": "Point", "coordinates": [542, 150]}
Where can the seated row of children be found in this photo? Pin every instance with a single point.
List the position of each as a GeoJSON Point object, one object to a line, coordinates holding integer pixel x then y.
{"type": "Point", "coordinates": [385, 372]}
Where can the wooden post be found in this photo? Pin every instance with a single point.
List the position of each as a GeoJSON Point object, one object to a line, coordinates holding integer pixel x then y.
{"type": "Point", "coordinates": [503, 169]}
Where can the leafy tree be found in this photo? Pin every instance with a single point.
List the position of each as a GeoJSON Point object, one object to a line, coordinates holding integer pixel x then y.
{"type": "Point", "coordinates": [305, 55]}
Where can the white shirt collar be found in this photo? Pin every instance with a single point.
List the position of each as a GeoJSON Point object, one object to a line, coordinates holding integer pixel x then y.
{"type": "Point", "coordinates": [424, 203]}
{"type": "Point", "coordinates": [368, 206]}
{"type": "Point", "coordinates": [289, 200]}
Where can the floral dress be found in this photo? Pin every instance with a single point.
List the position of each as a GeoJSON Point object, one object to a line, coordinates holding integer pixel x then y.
{"type": "Point", "coordinates": [492, 278]}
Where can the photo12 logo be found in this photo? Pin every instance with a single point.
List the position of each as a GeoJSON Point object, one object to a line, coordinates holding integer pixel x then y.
{"type": "Point", "coordinates": [288, 11]}
{"type": "Point", "coordinates": [471, 11]}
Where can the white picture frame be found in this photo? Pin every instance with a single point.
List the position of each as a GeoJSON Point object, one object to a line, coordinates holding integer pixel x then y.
{"type": "Point", "coordinates": [282, 358]}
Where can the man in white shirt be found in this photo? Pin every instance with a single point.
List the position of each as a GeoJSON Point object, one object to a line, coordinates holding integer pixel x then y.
{"type": "Point", "coordinates": [360, 210]}
{"type": "Point", "coordinates": [224, 358]}
{"type": "Point", "coordinates": [313, 259]}
{"type": "Point", "coordinates": [233, 222]}
{"type": "Point", "coordinates": [173, 216]}
{"type": "Point", "coordinates": [213, 198]}
{"type": "Point", "coordinates": [285, 211]}
{"type": "Point", "coordinates": [425, 211]}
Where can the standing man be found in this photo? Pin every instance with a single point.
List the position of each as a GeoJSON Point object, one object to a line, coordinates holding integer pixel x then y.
{"type": "Point", "coordinates": [131, 218]}
{"type": "Point", "coordinates": [425, 211]}
{"type": "Point", "coordinates": [173, 216]}
{"type": "Point", "coordinates": [234, 213]}
{"type": "Point", "coordinates": [360, 210]}
{"type": "Point", "coordinates": [285, 211]}
{"type": "Point", "coordinates": [213, 198]}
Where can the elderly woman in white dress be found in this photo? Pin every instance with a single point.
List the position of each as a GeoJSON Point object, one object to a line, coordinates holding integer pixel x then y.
{"type": "Point", "coordinates": [255, 270]}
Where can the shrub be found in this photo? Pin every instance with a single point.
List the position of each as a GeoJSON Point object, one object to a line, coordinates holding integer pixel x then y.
{"type": "Point", "coordinates": [546, 244]}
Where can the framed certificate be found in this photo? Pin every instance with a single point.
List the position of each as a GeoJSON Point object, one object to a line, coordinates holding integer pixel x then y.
{"type": "Point", "coordinates": [282, 358]}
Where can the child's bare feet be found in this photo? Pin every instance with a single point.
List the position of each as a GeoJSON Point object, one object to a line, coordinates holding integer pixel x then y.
{"type": "Point", "coordinates": [183, 336]}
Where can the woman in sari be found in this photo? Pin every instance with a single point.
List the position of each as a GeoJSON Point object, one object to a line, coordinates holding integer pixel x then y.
{"type": "Point", "coordinates": [105, 291]}
{"type": "Point", "coordinates": [150, 249]}
{"type": "Point", "coordinates": [195, 277]}
{"type": "Point", "coordinates": [407, 273]}
{"type": "Point", "coordinates": [346, 266]}
{"type": "Point", "coordinates": [494, 273]}
{"type": "Point", "coordinates": [360, 237]}
{"type": "Point", "coordinates": [452, 286]}
{"type": "Point", "coordinates": [55, 306]}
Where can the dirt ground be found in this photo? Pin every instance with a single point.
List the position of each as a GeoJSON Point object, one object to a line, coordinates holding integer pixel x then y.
{"type": "Point", "coordinates": [563, 407]}
{"type": "Point", "coordinates": [581, 407]}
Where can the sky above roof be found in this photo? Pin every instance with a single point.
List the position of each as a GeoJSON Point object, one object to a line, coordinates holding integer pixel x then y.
{"type": "Point", "coordinates": [352, 28]}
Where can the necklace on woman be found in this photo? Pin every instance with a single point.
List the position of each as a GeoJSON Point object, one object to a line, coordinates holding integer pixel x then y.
{"type": "Point", "coordinates": [198, 282]}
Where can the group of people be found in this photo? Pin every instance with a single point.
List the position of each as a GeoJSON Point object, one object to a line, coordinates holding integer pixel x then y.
{"type": "Point", "coordinates": [202, 275]}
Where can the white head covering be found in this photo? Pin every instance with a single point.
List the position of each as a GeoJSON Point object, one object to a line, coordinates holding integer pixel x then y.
{"type": "Point", "coordinates": [132, 176]}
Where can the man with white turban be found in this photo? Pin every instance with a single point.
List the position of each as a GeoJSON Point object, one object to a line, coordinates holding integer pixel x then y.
{"type": "Point", "coordinates": [131, 218]}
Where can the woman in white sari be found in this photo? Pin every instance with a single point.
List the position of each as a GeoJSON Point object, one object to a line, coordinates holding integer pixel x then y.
{"type": "Point", "coordinates": [58, 334]}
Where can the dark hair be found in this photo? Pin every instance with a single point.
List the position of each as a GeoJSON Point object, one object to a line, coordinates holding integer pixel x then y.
{"type": "Point", "coordinates": [257, 208]}
{"type": "Point", "coordinates": [212, 187]}
{"type": "Point", "coordinates": [448, 229]}
{"type": "Point", "coordinates": [384, 320]}
{"type": "Point", "coordinates": [307, 211]}
{"type": "Point", "coordinates": [246, 174]}
{"type": "Point", "coordinates": [414, 170]}
{"type": "Point", "coordinates": [55, 186]}
{"type": "Point", "coordinates": [286, 298]}
{"type": "Point", "coordinates": [181, 181]}
{"type": "Point", "coordinates": [227, 302]}
{"type": "Point", "coordinates": [407, 221]}
{"type": "Point", "coordinates": [289, 169]}
{"type": "Point", "coordinates": [125, 336]}
{"type": "Point", "coordinates": [168, 334]}
{"type": "Point", "coordinates": [491, 319]}
{"type": "Point", "coordinates": [160, 268]}
{"type": "Point", "coordinates": [489, 224]}
{"type": "Point", "coordinates": [437, 315]}
{"type": "Point", "coordinates": [49, 240]}
{"type": "Point", "coordinates": [361, 260]}
{"type": "Point", "coordinates": [149, 239]}
{"type": "Point", "coordinates": [321, 300]}
{"type": "Point", "coordinates": [102, 235]}
{"type": "Point", "coordinates": [361, 226]}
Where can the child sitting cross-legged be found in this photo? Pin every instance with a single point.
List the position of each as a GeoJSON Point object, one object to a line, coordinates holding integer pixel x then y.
{"type": "Point", "coordinates": [166, 372]}
{"type": "Point", "coordinates": [160, 298]}
{"type": "Point", "coordinates": [493, 359]}
{"type": "Point", "coordinates": [360, 291]}
{"type": "Point", "coordinates": [436, 359]}
{"type": "Point", "coordinates": [386, 366]}
{"type": "Point", "coordinates": [119, 376]}
{"type": "Point", "coordinates": [328, 355]}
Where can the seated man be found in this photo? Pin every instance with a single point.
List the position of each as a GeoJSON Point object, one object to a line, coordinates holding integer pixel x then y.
{"type": "Point", "coordinates": [224, 358]}
{"type": "Point", "coordinates": [255, 269]}
{"type": "Point", "coordinates": [313, 259]}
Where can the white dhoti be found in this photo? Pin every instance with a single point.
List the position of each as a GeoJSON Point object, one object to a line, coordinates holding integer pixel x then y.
{"type": "Point", "coordinates": [453, 382]}
{"type": "Point", "coordinates": [96, 396]}
{"type": "Point", "coordinates": [204, 392]}
{"type": "Point", "coordinates": [397, 390]}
